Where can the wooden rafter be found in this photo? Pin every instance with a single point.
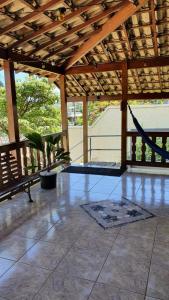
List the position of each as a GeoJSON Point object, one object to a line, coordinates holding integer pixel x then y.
{"type": "Point", "coordinates": [109, 55]}
{"type": "Point", "coordinates": [126, 11]}
{"type": "Point", "coordinates": [131, 53]}
{"type": "Point", "coordinates": [4, 2]}
{"type": "Point", "coordinates": [77, 28]}
{"type": "Point", "coordinates": [95, 76]}
{"type": "Point", "coordinates": [69, 45]}
{"type": "Point", "coordinates": [51, 26]}
{"type": "Point", "coordinates": [33, 15]}
{"type": "Point", "coordinates": [78, 84]}
{"type": "Point", "coordinates": [155, 41]}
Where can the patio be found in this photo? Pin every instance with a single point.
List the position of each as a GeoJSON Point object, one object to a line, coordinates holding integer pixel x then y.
{"type": "Point", "coordinates": [55, 250]}
{"type": "Point", "coordinates": [99, 51]}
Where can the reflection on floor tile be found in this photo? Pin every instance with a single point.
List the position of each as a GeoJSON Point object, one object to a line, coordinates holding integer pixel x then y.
{"type": "Point", "coordinates": [109, 292]}
{"type": "Point", "coordinates": [5, 264]}
{"type": "Point", "coordinates": [45, 255]}
{"type": "Point", "coordinates": [125, 272]}
{"type": "Point", "coordinates": [22, 281]}
{"type": "Point", "coordinates": [158, 286]}
{"type": "Point", "coordinates": [53, 250]}
{"type": "Point", "coordinates": [13, 247]}
{"type": "Point", "coordinates": [59, 286]}
{"type": "Point", "coordinates": [83, 263]}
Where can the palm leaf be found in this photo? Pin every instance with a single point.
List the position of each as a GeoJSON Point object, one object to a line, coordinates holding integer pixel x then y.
{"type": "Point", "coordinates": [35, 141]}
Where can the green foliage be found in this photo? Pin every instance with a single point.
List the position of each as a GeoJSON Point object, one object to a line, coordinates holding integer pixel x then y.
{"type": "Point", "coordinates": [36, 104]}
{"type": "Point", "coordinates": [52, 145]}
{"type": "Point", "coordinates": [35, 141]}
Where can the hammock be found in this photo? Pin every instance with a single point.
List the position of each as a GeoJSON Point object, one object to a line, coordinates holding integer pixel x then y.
{"type": "Point", "coordinates": [146, 139]}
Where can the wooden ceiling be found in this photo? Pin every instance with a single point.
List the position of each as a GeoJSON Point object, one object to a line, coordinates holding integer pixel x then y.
{"type": "Point", "coordinates": [92, 34]}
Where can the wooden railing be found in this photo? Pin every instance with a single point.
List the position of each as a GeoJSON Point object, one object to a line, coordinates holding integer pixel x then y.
{"type": "Point", "coordinates": [18, 157]}
{"type": "Point", "coordinates": [140, 154]}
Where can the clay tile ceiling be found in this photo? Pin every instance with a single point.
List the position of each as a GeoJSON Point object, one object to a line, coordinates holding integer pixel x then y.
{"type": "Point", "coordinates": [36, 30]}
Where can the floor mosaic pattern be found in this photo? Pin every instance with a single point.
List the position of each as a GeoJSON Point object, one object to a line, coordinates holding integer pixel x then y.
{"type": "Point", "coordinates": [113, 214]}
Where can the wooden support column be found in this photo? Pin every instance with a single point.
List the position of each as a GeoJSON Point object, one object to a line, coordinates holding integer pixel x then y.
{"type": "Point", "coordinates": [85, 129]}
{"type": "Point", "coordinates": [124, 115]}
{"type": "Point", "coordinates": [64, 112]}
{"type": "Point", "coordinates": [13, 127]}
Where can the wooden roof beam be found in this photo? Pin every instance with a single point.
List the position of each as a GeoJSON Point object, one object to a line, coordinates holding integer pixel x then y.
{"type": "Point", "coordinates": [28, 61]}
{"type": "Point", "coordinates": [68, 45]}
{"type": "Point", "coordinates": [155, 40]}
{"type": "Point", "coordinates": [131, 54]}
{"type": "Point", "coordinates": [33, 15]}
{"type": "Point", "coordinates": [52, 25]}
{"type": "Point", "coordinates": [4, 2]}
{"type": "Point", "coordinates": [77, 28]}
{"type": "Point", "coordinates": [140, 96]}
{"type": "Point", "coordinates": [126, 11]}
{"type": "Point", "coordinates": [110, 56]}
{"type": "Point", "coordinates": [159, 61]}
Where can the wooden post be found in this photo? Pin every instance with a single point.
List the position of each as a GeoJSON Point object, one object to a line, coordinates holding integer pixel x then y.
{"type": "Point", "coordinates": [85, 129]}
{"type": "Point", "coordinates": [13, 127]}
{"type": "Point", "coordinates": [124, 115]}
{"type": "Point", "coordinates": [64, 112]}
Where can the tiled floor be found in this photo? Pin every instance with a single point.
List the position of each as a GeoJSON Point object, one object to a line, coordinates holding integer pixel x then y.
{"type": "Point", "coordinates": [53, 250]}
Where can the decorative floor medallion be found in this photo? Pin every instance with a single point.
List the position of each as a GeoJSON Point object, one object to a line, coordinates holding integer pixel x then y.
{"type": "Point", "coordinates": [113, 214]}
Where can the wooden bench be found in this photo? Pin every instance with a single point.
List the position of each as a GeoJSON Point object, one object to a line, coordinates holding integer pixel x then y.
{"type": "Point", "coordinates": [11, 178]}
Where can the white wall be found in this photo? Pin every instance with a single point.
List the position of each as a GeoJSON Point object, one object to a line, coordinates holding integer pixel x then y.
{"type": "Point", "coordinates": [109, 123]}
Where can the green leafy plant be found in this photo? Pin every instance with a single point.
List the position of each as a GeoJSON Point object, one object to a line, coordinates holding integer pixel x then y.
{"type": "Point", "coordinates": [48, 145]}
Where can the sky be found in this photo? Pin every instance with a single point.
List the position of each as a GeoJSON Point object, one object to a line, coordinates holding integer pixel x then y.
{"type": "Point", "coordinates": [18, 76]}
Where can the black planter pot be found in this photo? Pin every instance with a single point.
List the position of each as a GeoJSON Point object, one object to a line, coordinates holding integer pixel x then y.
{"type": "Point", "coordinates": [48, 180]}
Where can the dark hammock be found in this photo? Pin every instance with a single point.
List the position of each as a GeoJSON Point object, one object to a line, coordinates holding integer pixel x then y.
{"type": "Point", "coordinates": [146, 138]}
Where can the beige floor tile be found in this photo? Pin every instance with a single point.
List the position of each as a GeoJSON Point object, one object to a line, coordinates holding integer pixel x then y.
{"type": "Point", "coordinates": [150, 298]}
{"type": "Point", "coordinates": [162, 233]}
{"type": "Point", "coordinates": [45, 255]}
{"type": "Point", "coordinates": [5, 265]}
{"type": "Point", "coordinates": [158, 284]}
{"type": "Point", "coordinates": [14, 247]}
{"type": "Point", "coordinates": [60, 286]}
{"type": "Point", "coordinates": [104, 188]}
{"type": "Point", "coordinates": [161, 254]}
{"type": "Point", "coordinates": [140, 248]}
{"type": "Point", "coordinates": [63, 232]}
{"type": "Point", "coordinates": [33, 229]}
{"type": "Point", "coordinates": [144, 228]}
{"type": "Point", "coordinates": [109, 292]}
{"type": "Point", "coordinates": [125, 272]}
{"type": "Point", "coordinates": [96, 240]}
{"type": "Point", "coordinates": [21, 282]}
{"type": "Point", "coordinates": [83, 263]}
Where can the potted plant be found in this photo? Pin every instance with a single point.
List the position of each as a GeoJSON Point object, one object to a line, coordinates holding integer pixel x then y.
{"type": "Point", "coordinates": [48, 146]}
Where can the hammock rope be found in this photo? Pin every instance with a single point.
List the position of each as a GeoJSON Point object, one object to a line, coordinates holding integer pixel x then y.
{"type": "Point", "coordinates": [146, 139]}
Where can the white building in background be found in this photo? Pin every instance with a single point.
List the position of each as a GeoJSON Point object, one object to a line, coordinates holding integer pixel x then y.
{"type": "Point", "coordinates": [151, 117]}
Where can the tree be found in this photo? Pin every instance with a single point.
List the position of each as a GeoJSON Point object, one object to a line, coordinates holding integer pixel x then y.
{"type": "Point", "coordinates": [36, 104]}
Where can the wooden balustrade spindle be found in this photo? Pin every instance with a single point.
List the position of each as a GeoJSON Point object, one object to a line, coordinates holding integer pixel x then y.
{"type": "Point", "coordinates": [134, 139]}
{"type": "Point", "coordinates": [143, 151]}
{"type": "Point", "coordinates": [25, 161]}
{"type": "Point", "coordinates": [164, 142]}
{"type": "Point", "coordinates": [153, 157]}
